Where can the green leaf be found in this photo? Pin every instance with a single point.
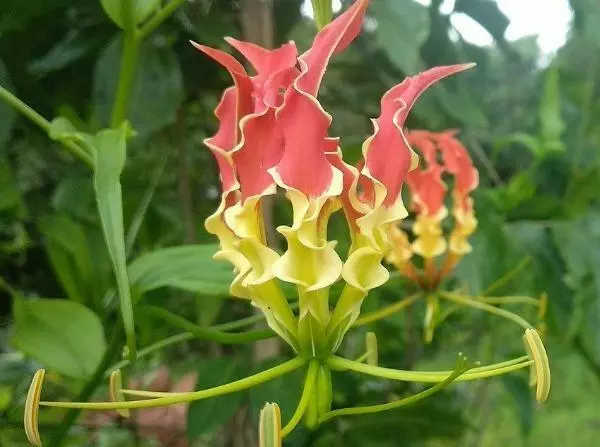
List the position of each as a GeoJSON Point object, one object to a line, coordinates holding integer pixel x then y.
{"type": "Point", "coordinates": [402, 28]}
{"type": "Point", "coordinates": [518, 389]}
{"type": "Point", "coordinates": [157, 87]}
{"type": "Point", "coordinates": [7, 113]}
{"type": "Point", "coordinates": [71, 48]}
{"type": "Point", "coordinates": [61, 129]}
{"type": "Point", "coordinates": [530, 142]}
{"type": "Point", "coordinates": [205, 416]}
{"type": "Point", "coordinates": [10, 196]}
{"type": "Point", "coordinates": [141, 9]}
{"type": "Point", "coordinates": [63, 336]}
{"type": "Point", "coordinates": [189, 267]}
{"type": "Point", "coordinates": [5, 396]}
{"type": "Point", "coordinates": [487, 13]}
{"type": "Point", "coordinates": [69, 253]}
{"type": "Point", "coordinates": [110, 159]}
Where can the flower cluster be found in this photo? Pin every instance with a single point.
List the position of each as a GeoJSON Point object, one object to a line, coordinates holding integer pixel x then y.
{"type": "Point", "coordinates": [443, 156]}
{"type": "Point", "coordinates": [273, 133]}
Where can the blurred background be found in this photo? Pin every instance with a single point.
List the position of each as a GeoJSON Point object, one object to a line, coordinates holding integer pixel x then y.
{"type": "Point", "coordinates": [528, 113]}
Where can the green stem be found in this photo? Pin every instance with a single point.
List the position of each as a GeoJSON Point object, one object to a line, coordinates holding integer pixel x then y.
{"type": "Point", "coordinates": [96, 380]}
{"type": "Point", "coordinates": [159, 18]}
{"type": "Point", "coordinates": [386, 311]}
{"type": "Point", "coordinates": [396, 404]}
{"type": "Point", "coordinates": [508, 300]}
{"type": "Point", "coordinates": [205, 333]}
{"type": "Point", "coordinates": [44, 124]}
{"type": "Point", "coordinates": [507, 276]}
{"type": "Point", "coordinates": [307, 394]}
{"type": "Point", "coordinates": [248, 321]}
{"type": "Point", "coordinates": [178, 398]}
{"type": "Point", "coordinates": [129, 57]}
{"type": "Point", "coordinates": [339, 363]}
{"type": "Point", "coordinates": [487, 308]}
{"type": "Point", "coordinates": [185, 336]}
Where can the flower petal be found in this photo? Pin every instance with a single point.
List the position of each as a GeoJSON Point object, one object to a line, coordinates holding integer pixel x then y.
{"type": "Point", "coordinates": [389, 142]}
{"type": "Point", "coordinates": [333, 38]}
{"type": "Point", "coordinates": [259, 150]}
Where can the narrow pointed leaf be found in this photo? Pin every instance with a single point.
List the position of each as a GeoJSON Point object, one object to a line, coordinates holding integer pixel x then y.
{"type": "Point", "coordinates": [110, 159]}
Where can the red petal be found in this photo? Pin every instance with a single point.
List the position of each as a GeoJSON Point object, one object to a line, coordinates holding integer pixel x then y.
{"type": "Point", "coordinates": [242, 82]}
{"type": "Point", "coordinates": [260, 150]}
{"type": "Point", "coordinates": [427, 189]}
{"type": "Point", "coordinates": [276, 70]}
{"type": "Point", "coordinates": [226, 137]}
{"type": "Point", "coordinates": [388, 157]}
{"type": "Point", "coordinates": [263, 60]}
{"type": "Point", "coordinates": [304, 125]}
{"type": "Point", "coordinates": [333, 38]}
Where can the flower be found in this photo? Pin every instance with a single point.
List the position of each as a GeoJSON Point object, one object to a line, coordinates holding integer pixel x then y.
{"type": "Point", "coordinates": [273, 133]}
{"type": "Point", "coordinates": [443, 156]}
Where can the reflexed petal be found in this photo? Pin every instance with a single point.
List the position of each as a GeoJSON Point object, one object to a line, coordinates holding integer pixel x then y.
{"type": "Point", "coordinates": [304, 165]}
{"type": "Point", "coordinates": [389, 143]}
{"type": "Point", "coordinates": [333, 38]}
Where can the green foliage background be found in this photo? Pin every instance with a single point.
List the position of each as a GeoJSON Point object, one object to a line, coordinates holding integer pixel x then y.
{"type": "Point", "coordinates": [531, 127]}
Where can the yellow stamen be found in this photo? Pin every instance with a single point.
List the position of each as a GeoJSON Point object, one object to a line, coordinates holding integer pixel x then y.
{"type": "Point", "coordinates": [32, 405]}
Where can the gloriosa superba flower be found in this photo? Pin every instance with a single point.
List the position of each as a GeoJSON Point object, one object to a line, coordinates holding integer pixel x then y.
{"type": "Point", "coordinates": [273, 133]}
{"type": "Point", "coordinates": [443, 156]}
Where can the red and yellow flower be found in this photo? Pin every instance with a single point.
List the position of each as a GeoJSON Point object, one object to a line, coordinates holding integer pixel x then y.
{"type": "Point", "coordinates": [274, 133]}
{"type": "Point", "coordinates": [443, 157]}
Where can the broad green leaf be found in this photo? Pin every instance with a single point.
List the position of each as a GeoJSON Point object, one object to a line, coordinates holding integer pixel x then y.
{"type": "Point", "coordinates": [69, 253]}
{"type": "Point", "coordinates": [188, 267]}
{"type": "Point", "coordinates": [7, 113]}
{"type": "Point", "coordinates": [110, 159]}
{"type": "Point", "coordinates": [64, 336]}
{"type": "Point", "coordinates": [141, 9]}
{"type": "Point", "coordinates": [402, 28]}
{"type": "Point", "coordinates": [205, 416]}
{"type": "Point", "coordinates": [157, 89]}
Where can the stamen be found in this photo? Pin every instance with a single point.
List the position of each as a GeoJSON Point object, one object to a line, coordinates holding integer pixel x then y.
{"type": "Point", "coordinates": [269, 430]}
{"type": "Point", "coordinates": [540, 370]}
{"type": "Point", "coordinates": [372, 351]}
{"type": "Point", "coordinates": [116, 391]}
{"type": "Point", "coordinates": [32, 405]}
